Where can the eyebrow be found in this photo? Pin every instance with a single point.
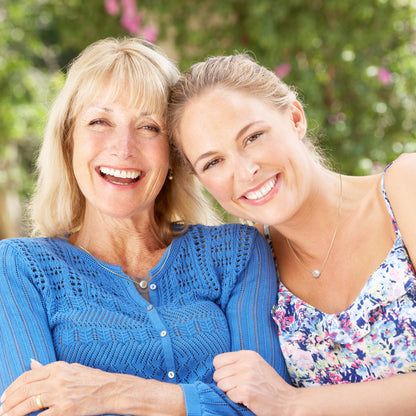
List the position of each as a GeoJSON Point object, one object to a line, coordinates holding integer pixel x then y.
{"type": "Point", "coordinates": [238, 135]}
{"type": "Point", "coordinates": [109, 110]}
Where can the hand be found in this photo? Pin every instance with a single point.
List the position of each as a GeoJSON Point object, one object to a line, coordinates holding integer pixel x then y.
{"type": "Point", "coordinates": [62, 388]}
{"type": "Point", "coordinates": [248, 379]}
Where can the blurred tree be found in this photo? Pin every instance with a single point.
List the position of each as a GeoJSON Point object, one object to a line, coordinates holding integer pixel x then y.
{"type": "Point", "coordinates": [352, 62]}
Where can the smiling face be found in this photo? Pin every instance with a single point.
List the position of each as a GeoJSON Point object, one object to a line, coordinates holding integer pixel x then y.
{"type": "Point", "coordinates": [120, 157]}
{"type": "Point", "coordinates": [248, 154]}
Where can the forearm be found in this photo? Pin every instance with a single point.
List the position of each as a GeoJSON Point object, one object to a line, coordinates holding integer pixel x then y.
{"type": "Point", "coordinates": [130, 395]}
{"type": "Point", "coordinates": [393, 395]}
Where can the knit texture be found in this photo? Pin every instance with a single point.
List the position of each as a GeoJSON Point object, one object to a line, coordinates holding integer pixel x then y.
{"type": "Point", "coordinates": [211, 292]}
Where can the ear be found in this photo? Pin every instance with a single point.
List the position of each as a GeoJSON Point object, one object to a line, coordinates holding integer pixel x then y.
{"type": "Point", "coordinates": [298, 118]}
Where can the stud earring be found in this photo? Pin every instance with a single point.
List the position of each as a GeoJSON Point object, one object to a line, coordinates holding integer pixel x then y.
{"type": "Point", "coordinates": [170, 174]}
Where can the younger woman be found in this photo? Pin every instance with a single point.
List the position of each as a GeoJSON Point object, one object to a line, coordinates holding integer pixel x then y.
{"type": "Point", "coordinates": [344, 246]}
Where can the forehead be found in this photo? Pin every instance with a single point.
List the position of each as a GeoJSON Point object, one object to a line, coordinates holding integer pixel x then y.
{"type": "Point", "coordinates": [220, 109]}
{"type": "Point", "coordinates": [105, 90]}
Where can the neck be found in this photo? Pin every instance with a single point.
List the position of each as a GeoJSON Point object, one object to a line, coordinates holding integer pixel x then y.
{"type": "Point", "coordinates": [310, 230]}
{"type": "Point", "coordinates": [135, 246]}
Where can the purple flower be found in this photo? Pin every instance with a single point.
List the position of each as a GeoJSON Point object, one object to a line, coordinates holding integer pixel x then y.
{"type": "Point", "coordinates": [282, 70]}
{"type": "Point", "coordinates": [384, 76]}
{"type": "Point", "coordinates": [111, 7]}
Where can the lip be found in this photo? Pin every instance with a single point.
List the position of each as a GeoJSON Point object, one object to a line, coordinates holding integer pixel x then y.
{"type": "Point", "coordinates": [265, 198]}
{"type": "Point", "coordinates": [120, 182]}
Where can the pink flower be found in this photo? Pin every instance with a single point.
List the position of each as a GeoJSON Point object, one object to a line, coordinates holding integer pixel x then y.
{"type": "Point", "coordinates": [384, 76]}
{"type": "Point", "coordinates": [112, 7]}
{"type": "Point", "coordinates": [150, 33]}
{"type": "Point", "coordinates": [131, 23]}
{"type": "Point", "coordinates": [129, 7]}
{"type": "Point", "coordinates": [282, 70]}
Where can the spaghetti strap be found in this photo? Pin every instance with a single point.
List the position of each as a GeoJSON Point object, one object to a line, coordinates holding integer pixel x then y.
{"type": "Point", "coordinates": [386, 199]}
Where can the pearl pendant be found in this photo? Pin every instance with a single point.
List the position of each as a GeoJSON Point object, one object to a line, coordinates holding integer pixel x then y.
{"type": "Point", "coordinates": [316, 274]}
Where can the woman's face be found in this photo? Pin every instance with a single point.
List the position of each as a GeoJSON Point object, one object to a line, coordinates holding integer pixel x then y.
{"type": "Point", "coordinates": [246, 153]}
{"type": "Point", "coordinates": [120, 157]}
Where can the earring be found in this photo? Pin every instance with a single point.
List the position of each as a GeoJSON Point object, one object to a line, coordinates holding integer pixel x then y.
{"type": "Point", "coordinates": [170, 174]}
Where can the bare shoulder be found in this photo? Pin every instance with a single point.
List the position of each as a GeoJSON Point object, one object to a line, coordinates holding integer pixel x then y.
{"type": "Point", "coordinates": [400, 177]}
{"type": "Point", "coordinates": [404, 167]}
{"type": "Point", "coordinates": [400, 185]}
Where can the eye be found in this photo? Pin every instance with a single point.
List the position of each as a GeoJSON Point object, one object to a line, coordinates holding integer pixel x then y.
{"type": "Point", "coordinates": [156, 129]}
{"type": "Point", "coordinates": [99, 121]}
{"type": "Point", "coordinates": [211, 164]}
{"type": "Point", "coordinates": [253, 137]}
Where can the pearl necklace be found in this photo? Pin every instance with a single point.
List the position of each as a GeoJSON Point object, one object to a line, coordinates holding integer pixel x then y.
{"type": "Point", "coordinates": [317, 273]}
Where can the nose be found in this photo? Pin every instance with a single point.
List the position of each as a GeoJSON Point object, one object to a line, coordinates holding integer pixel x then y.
{"type": "Point", "coordinates": [245, 169]}
{"type": "Point", "coordinates": [123, 145]}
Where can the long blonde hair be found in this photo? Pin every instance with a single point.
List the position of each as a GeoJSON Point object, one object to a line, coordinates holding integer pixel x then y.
{"type": "Point", "coordinates": [57, 207]}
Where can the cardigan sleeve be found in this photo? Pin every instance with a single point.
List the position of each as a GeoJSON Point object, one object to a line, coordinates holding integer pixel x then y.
{"type": "Point", "coordinates": [25, 332]}
{"type": "Point", "coordinates": [249, 298]}
{"type": "Point", "coordinates": [249, 307]}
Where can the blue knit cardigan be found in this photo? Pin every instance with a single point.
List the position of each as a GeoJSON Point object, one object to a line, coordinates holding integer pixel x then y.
{"type": "Point", "coordinates": [211, 292]}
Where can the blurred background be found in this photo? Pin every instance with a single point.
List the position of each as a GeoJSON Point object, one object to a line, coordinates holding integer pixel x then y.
{"type": "Point", "coordinates": [353, 63]}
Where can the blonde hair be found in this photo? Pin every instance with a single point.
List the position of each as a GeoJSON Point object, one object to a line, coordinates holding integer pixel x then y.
{"type": "Point", "coordinates": [57, 207]}
{"type": "Point", "coordinates": [234, 72]}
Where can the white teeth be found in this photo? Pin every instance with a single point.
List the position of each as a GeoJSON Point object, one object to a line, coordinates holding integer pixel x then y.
{"type": "Point", "coordinates": [130, 174]}
{"type": "Point", "coordinates": [263, 191]}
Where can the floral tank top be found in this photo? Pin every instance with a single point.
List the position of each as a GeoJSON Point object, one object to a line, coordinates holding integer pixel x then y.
{"type": "Point", "coordinates": [374, 338]}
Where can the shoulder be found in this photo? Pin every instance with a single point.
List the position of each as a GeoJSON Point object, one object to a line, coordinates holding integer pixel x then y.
{"type": "Point", "coordinates": [31, 248]}
{"type": "Point", "coordinates": [400, 185]}
{"type": "Point", "coordinates": [400, 181]}
{"type": "Point", "coordinates": [402, 171]}
{"type": "Point", "coordinates": [227, 241]}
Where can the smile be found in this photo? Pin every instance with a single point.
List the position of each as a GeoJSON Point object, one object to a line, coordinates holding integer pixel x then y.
{"type": "Point", "coordinates": [263, 191]}
{"type": "Point", "coordinates": [120, 177]}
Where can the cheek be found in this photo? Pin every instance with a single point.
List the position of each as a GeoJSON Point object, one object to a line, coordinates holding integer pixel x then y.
{"type": "Point", "coordinates": [219, 188]}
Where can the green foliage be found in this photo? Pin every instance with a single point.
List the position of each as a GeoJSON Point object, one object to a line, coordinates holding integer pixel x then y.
{"type": "Point", "coordinates": [335, 50]}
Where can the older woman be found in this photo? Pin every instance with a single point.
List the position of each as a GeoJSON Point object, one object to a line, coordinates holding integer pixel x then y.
{"type": "Point", "coordinates": [345, 247]}
{"type": "Point", "coordinates": [119, 280]}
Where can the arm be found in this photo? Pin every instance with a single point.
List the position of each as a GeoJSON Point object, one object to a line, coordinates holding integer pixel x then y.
{"type": "Point", "coordinates": [248, 379]}
{"type": "Point", "coordinates": [250, 304]}
{"type": "Point", "coordinates": [25, 332]}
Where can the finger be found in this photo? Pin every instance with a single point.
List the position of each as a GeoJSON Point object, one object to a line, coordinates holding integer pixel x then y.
{"type": "Point", "coordinates": [234, 394]}
{"type": "Point", "coordinates": [244, 363]}
{"type": "Point", "coordinates": [225, 359]}
{"type": "Point", "coordinates": [35, 364]}
{"type": "Point", "coordinates": [25, 393]}
{"type": "Point", "coordinates": [28, 377]}
{"type": "Point", "coordinates": [31, 404]}
{"type": "Point", "coordinates": [227, 383]}
{"type": "Point", "coordinates": [234, 357]}
{"type": "Point", "coordinates": [225, 372]}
